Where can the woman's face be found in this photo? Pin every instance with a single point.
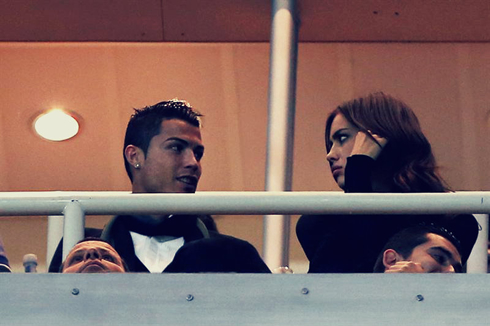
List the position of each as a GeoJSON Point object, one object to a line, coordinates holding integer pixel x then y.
{"type": "Point", "coordinates": [341, 141]}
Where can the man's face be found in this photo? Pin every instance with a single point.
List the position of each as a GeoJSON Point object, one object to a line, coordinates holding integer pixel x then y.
{"type": "Point", "coordinates": [93, 257]}
{"type": "Point", "coordinates": [173, 160]}
{"type": "Point", "coordinates": [437, 255]}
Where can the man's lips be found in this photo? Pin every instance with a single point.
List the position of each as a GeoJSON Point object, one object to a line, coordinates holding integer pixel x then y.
{"type": "Point", "coordinates": [93, 266]}
{"type": "Point", "coordinates": [188, 180]}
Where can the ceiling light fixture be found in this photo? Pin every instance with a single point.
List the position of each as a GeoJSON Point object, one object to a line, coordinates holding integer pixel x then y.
{"type": "Point", "coordinates": [56, 125]}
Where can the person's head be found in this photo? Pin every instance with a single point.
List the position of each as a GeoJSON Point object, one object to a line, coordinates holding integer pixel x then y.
{"type": "Point", "coordinates": [93, 255]}
{"type": "Point", "coordinates": [406, 161]}
{"type": "Point", "coordinates": [433, 249]}
{"type": "Point", "coordinates": [163, 148]}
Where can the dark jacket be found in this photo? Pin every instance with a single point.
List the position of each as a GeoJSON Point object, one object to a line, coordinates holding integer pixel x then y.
{"type": "Point", "coordinates": [4, 262]}
{"type": "Point", "coordinates": [351, 243]}
{"type": "Point", "coordinates": [203, 250]}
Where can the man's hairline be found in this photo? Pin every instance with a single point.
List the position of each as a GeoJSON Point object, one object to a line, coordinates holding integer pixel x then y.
{"type": "Point", "coordinates": [109, 249]}
{"type": "Point", "coordinates": [447, 252]}
{"type": "Point", "coordinates": [63, 263]}
{"type": "Point", "coordinates": [160, 131]}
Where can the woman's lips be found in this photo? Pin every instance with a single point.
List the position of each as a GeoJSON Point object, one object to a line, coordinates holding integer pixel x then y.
{"type": "Point", "coordinates": [336, 171]}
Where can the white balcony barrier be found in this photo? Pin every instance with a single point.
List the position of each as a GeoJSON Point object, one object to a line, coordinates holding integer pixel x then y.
{"type": "Point", "coordinates": [75, 205]}
{"type": "Point", "coordinates": [241, 299]}
{"type": "Point", "coordinates": [250, 203]}
{"type": "Point", "coordinates": [245, 299]}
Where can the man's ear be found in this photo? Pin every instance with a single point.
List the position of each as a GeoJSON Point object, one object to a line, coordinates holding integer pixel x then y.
{"type": "Point", "coordinates": [390, 257]}
{"type": "Point", "coordinates": [134, 155]}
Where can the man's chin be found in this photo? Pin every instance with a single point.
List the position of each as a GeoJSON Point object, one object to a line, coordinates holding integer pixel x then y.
{"type": "Point", "coordinates": [186, 189]}
{"type": "Point", "coordinates": [94, 269]}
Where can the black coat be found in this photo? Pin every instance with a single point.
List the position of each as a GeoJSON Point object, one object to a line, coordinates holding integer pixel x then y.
{"type": "Point", "coordinates": [352, 243]}
{"type": "Point", "coordinates": [203, 250]}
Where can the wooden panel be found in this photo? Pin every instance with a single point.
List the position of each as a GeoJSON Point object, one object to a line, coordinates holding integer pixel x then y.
{"type": "Point", "coordinates": [242, 20]}
{"type": "Point", "coordinates": [217, 20]}
{"type": "Point", "coordinates": [244, 299]}
{"type": "Point", "coordinates": [80, 20]}
{"type": "Point", "coordinates": [394, 20]}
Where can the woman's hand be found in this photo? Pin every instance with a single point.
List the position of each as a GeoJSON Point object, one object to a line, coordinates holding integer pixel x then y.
{"type": "Point", "coordinates": [365, 144]}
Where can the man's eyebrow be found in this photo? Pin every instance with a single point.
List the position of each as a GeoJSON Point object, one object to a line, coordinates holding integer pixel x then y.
{"type": "Point", "coordinates": [78, 251]}
{"type": "Point", "coordinates": [177, 139]}
{"type": "Point", "coordinates": [81, 250]}
{"type": "Point", "coordinates": [444, 251]}
{"type": "Point", "coordinates": [180, 140]}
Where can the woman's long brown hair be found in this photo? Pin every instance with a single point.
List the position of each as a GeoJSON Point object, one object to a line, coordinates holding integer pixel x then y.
{"type": "Point", "coordinates": [408, 155]}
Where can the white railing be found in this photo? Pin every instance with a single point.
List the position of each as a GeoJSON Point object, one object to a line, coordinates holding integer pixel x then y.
{"type": "Point", "coordinates": [242, 299]}
{"type": "Point", "coordinates": [248, 203]}
{"type": "Point", "coordinates": [75, 205]}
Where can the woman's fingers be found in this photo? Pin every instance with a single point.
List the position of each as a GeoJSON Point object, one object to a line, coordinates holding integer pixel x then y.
{"type": "Point", "coordinates": [381, 141]}
{"type": "Point", "coordinates": [370, 145]}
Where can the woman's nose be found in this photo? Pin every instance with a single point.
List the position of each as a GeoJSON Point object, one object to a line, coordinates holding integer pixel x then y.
{"type": "Point", "coordinates": [332, 155]}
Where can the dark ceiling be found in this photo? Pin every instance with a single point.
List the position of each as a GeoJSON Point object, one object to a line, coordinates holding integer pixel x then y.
{"type": "Point", "coordinates": [242, 20]}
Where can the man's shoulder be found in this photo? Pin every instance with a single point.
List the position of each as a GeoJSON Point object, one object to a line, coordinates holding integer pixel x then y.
{"type": "Point", "coordinates": [219, 237]}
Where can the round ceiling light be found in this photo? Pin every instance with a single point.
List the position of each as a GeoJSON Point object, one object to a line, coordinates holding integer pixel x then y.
{"type": "Point", "coordinates": [56, 125]}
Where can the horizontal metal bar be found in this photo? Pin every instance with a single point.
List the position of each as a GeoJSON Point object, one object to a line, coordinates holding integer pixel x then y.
{"type": "Point", "coordinates": [248, 203]}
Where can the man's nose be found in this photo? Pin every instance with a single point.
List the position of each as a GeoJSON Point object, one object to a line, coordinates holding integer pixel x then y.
{"type": "Point", "coordinates": [191, 160]}
{"type": "Point", "coordinates": [92, 254]}
{"type": "Point", "coordinates": [449, 269]}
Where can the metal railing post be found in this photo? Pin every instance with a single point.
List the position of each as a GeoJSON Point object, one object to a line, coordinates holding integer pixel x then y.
{"type": "Point", "coordinates": [478, 261]}
{"type": "Point", "coordinates": [55, 233]}
{"type": "Point", "coordinates": [73, 226]}
{"type": "Point", "coordinates": [280, 130]}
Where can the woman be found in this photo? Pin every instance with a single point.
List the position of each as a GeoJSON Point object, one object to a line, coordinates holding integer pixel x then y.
{"type": "Point", "coordinates": [374, 144]}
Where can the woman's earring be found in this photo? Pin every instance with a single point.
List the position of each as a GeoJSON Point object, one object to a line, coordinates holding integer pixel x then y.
{"type": "Point", "coordinates": [137, 166]}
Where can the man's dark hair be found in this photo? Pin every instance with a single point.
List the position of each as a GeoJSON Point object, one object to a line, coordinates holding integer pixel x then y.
{"type": "Point", "coordinates": [407, 239]}
{"type": "Point", "coordinates": [126, 268]}
{"type": "Point", "coordinates": [145, 124]}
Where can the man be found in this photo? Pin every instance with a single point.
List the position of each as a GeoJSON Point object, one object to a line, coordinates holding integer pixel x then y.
{"type": "Point", "coordinates": [162, 154]}
{"type": "Point", "coordinates": [92, 255]}
{"type": "Point", "coordinates": [422, 249]}
{"type": "Point", "coordinates": [4, 262]}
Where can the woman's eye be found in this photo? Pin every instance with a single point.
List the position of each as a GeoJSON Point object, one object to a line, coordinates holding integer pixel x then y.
{"type": "Point", "coordinates": [343, 138]}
